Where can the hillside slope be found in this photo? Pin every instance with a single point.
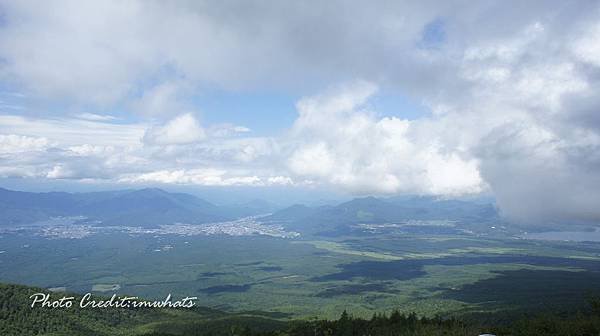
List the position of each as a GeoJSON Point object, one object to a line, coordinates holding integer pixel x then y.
{"type": "Point", "coordinates": [17, 318]}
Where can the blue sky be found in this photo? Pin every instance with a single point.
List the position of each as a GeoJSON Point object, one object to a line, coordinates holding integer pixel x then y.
{"type": "Point", "coordinates": [265, 113]}
{"type": "Point", "coordinates": [271, 113]}
{"type": "Point", "coordinates": [446, 99]}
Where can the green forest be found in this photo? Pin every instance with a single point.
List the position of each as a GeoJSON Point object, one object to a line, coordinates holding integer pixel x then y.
{"type": "Point", "coordinates": [17, 317]}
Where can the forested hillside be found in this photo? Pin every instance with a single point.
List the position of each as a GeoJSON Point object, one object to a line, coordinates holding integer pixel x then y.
{"type": "Point", "coordinates": [18, 318]}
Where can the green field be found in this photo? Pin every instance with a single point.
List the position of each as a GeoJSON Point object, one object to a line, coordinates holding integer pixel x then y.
{"type": "Point", "coordinates": [450, 274]}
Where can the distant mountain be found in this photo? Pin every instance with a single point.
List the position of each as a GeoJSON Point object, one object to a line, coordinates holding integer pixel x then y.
{"type": "Point", "coordinates": [296, 211]}
{"type": "Point", "coordinates": [326, 218]}
{"type": "Point", "coordinates": [378, 210]}
{"type": "Point", "coordinates": [250, 208]}
{"type": "Point", "coordinates": [145, 207]}
{"type": "Point", "coordinates": [18, 207]}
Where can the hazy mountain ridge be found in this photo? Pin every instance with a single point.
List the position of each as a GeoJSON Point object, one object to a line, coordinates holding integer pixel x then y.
{"type": "Point", "coordinates": [144, 207]}
{"type": "Point", "coordinates": [383, 210]}
{"type": "Point", "coordinates": [152, 207]}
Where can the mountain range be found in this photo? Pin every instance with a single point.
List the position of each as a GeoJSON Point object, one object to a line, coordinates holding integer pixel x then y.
{"type": "Point", "coordinates": [152, 207]}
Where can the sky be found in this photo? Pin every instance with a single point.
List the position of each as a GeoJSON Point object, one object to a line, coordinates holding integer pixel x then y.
{"type": "Point", "coordinates": [449, 99]}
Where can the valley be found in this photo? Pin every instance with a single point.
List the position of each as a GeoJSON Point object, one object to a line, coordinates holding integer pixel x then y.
{"type": "Point", "coordinates": [368, 255]}
{"type": "Point", "coordinates": [298, 277]}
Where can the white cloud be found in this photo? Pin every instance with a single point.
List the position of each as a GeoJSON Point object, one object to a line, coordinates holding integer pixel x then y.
{"type": "Point", "coordinates": [313, 160]}
{"type": "Point", "coordinates": [205, 177]}
{"type": "Point", "coordinates": [56, 53]}
{"type": "Point", "coordinates": [585, 47]}
{"type": "Point", "coordinates": [337, 141]}
{"type": "Point", "coordinates": [70, 131]}
{"type": "Point", "coordinates": [162, 99]}
{"type": "Point", "coordinates": [12, 143]}
{"type": "Point", "coordinates": [95, 117]}
{"type": "Point", "coordinates": [280, 180]}
{"type": "Point", "coordinates": [179, 151]}
{"type": "Point", "coordinates": [59, 172]}
{"type": "Point", "coordinates": [182, 129]}
{"type": "Point", "coordinates": [88, 150]}
{"type": "Point", "coordinates": [227, 130]}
